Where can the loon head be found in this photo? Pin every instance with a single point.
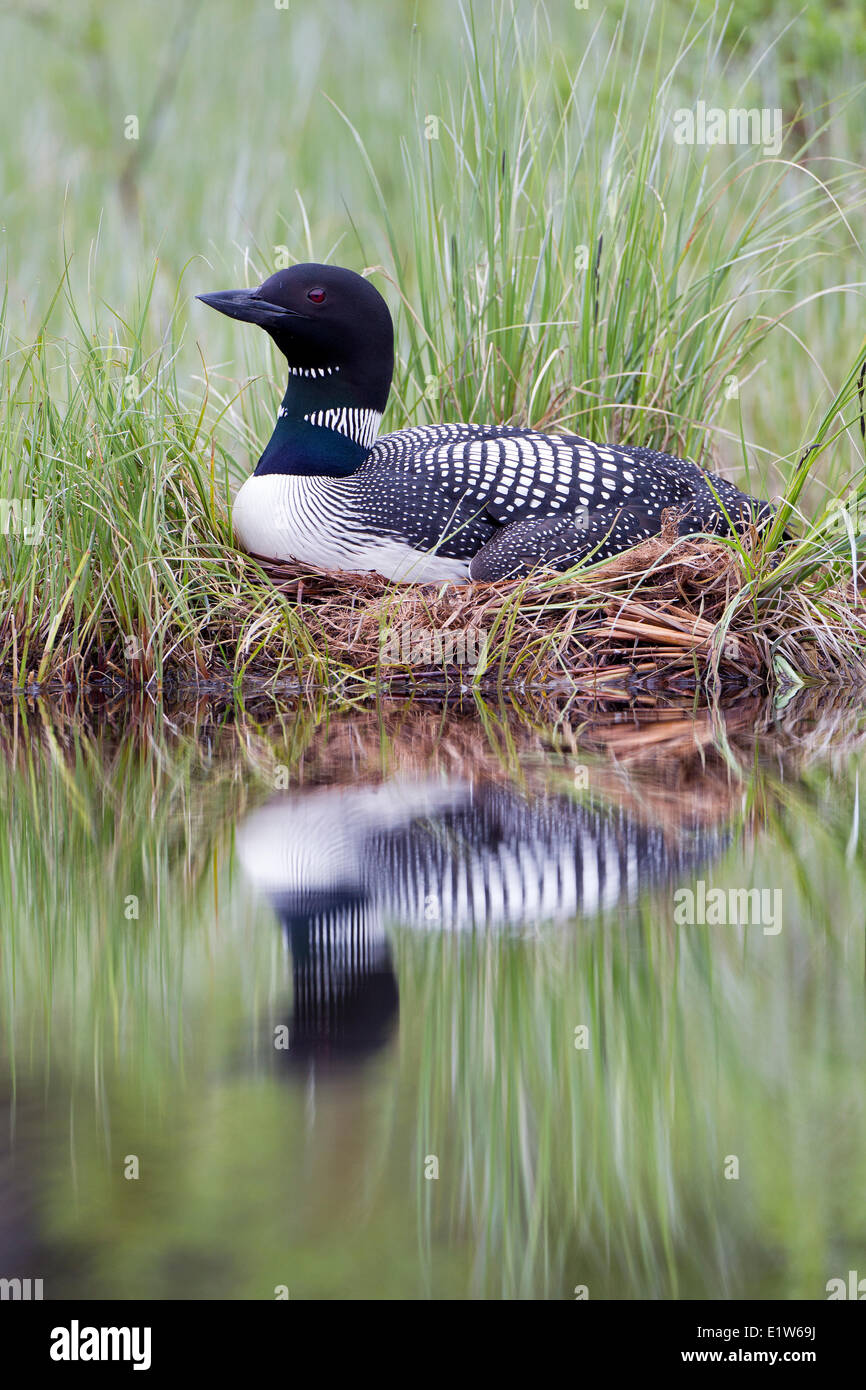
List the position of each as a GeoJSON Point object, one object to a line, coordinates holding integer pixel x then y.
{"type": "Point", "coordinates": [335, 330]}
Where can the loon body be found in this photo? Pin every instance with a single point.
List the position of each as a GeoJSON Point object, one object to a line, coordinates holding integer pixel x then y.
{"type": "Point", "coordinates": [436, 502]}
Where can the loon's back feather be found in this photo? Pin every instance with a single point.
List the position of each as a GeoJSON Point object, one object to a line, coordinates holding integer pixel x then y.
{"type": "Point", "coordinates": [510, 472]}
{"type": "Point", "coordinates": [515, 498]}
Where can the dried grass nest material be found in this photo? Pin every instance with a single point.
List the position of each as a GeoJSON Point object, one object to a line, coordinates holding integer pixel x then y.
{"type": "Point", "coordinates": [652, 609]}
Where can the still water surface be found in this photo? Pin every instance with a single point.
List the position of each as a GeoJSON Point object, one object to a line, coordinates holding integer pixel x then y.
{"type": "Point", "coordinates": [408, 1002]}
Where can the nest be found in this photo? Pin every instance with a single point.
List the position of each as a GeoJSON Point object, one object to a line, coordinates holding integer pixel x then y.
{"type": "Point", "coordinates": [650, 614]}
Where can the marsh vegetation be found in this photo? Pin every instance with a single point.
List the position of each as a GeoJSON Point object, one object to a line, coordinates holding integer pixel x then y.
{"type": "Point", "coordinates": [513, 178]}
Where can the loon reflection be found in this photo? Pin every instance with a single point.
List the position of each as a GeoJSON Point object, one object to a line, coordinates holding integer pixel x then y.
{"type": "Point", "coordinates": [339, 865]}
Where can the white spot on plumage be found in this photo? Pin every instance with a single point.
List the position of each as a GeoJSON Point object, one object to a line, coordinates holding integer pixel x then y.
{"type": "Point", "coordinates": [513, 454]}
{"type": "Point", "coordinates": [545, 453]}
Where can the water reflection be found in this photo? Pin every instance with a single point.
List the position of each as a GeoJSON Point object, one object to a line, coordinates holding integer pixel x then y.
{"type": "Point", "coordinates": [465, 855]}
{"type": "Point", "coordinates": [339, 865]}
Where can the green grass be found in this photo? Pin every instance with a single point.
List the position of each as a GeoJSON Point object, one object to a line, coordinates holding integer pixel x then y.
{"type": "Point", "coordinates": [552, 257]}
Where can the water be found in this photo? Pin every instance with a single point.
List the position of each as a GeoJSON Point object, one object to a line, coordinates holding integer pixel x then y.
{"type": "Point", "coordinates": [409, 1002]}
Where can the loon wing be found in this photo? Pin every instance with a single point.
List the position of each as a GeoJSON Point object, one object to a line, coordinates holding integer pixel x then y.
{"type": "Point", "coordinates": [561, 540]}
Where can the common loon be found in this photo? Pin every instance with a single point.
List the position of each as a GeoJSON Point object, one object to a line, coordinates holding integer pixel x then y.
{"type": "Point", "coordinates": [433, 502]}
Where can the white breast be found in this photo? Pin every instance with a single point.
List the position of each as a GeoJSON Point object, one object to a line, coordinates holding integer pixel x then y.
{"type": "Point", "coordinates": [318, 521]}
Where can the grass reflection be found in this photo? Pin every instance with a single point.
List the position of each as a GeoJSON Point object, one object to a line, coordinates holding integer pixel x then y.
{"type": "Point", "coordinates": [558, 1166]}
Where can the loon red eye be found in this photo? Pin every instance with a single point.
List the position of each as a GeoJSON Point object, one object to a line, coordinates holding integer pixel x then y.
{"type": "Point", "coordinates": [317, 296]}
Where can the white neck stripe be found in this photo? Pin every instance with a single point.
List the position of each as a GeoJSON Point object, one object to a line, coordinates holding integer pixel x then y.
{"type": "Point", "coordinates": [360, 425]}
{"type": "Point", "coordinates": [312, 371]}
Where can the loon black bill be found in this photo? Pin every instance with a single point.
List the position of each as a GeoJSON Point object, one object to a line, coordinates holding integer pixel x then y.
{"type": "Point", "coordinates": [248, 306]}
